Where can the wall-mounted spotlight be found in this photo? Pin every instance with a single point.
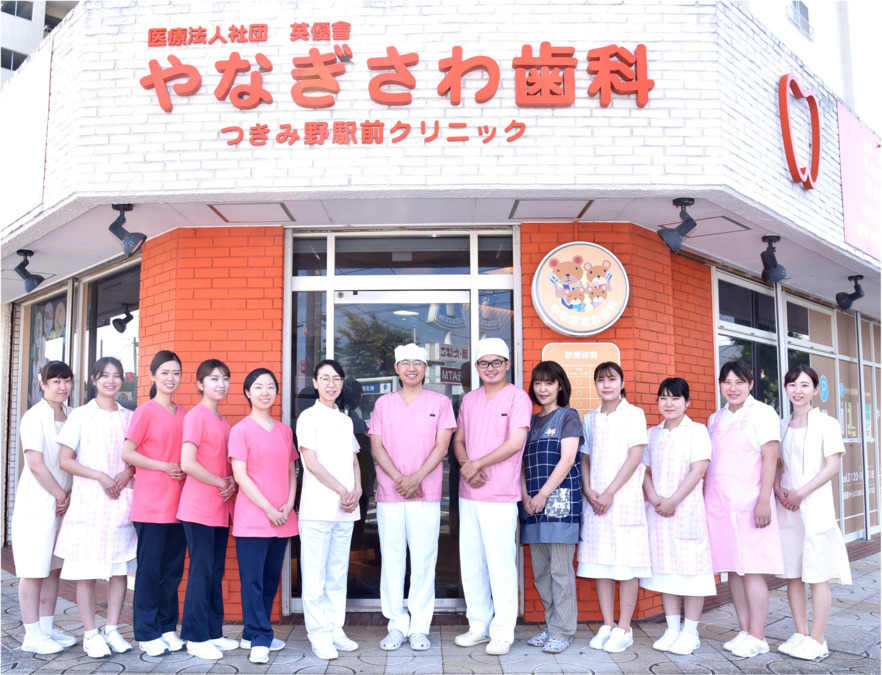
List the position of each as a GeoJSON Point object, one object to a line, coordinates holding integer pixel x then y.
{"type": "Point", "coordinates": [132, 241]}
{"type": "Point", "coordinates": [120, 324]}
{"type": "Point", "coordinates": [31, 280]}
{"type": "Point", "coordinates": [844, 300]}
{"type": "Point", "coordinates": [674, 237]}
{"type": "Point", "coordinates": [772, 271]}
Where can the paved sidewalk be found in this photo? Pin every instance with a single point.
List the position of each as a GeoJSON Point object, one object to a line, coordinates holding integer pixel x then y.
{"type": "Point", "coordinates": [853, 635]}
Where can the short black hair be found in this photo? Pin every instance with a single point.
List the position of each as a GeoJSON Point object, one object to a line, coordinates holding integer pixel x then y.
{"type": "Point", "coordinates": [674, 386]}
{"type": "Point", "coordinates": [552, 371]}
{"type": "Point", "coordinates": [251, 377]}
{"type": "Point", "coordinates": [336, 365]}
{"type": "Point", "coordinates": [55, 369]}
{"type": "Point", "coordinates": [797, 370]}
{"type": "Point", "coordinates": [740, 370]}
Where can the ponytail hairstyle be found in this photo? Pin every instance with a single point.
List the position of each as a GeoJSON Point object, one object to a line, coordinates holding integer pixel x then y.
{"type": "Point", "coordinates": [608, 368]}
{"type": "Point", "coordinates": [162, 356]}
{"type": "Point", "coordinates": [207, 367]}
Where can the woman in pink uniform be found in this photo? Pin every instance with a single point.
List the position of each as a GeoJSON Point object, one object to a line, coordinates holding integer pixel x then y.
{"type": "Point", "coordinates": [204, 512]}
{"type": "Point", "coordinates": [676, 459]}
{"type": "Point", "coordinates": [97, 539]}
{"type": "Point", "coordinates": [153, 447]}
{"type": "Point", "coordinates": [741, 518]}
{"type": "Point", "coordinates": [614, 545]}
{"type": "Point", "coordinates": [262, 454]}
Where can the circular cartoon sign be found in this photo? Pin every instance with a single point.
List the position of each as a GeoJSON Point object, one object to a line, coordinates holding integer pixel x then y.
{"type": "Point", "coordinates": [580, 289]}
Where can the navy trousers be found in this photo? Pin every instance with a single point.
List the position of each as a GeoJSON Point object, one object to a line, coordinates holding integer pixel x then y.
{"type": "Point", "coordinates": [161, 549]}
{"type": "Point", "coordinates": [260, 568]}
{"type": "Point", "coordinates": [204, 603]}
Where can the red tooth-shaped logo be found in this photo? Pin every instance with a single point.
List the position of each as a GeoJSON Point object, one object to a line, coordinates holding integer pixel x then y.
{"type": "Point", "coordinates": [808, 176]}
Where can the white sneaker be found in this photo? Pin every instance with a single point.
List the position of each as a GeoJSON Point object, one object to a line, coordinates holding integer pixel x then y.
{"type": "Point", "coordinates": [735, 641]}
{"type": "Point", "coordinates": [324, 649]}
{"type": "Point", "coordinates": [40, 643]}
{"type": "Point", "coordinates": [62, 638]}
{"type": "Point", "coordinates": [173, 641]}
{"type": "Point", "coordinates": [664, 643]}
{"type": "Point", "coordinates": [497, 647]}
{"type": "Point", "coordinates": [792, 641]}
{"type": "Point", "coordinates": [204, 650]}
{"type": "Point", "coordinates": [750, 647]}
{"type": "Point", "coordinates": [810, 650]}
{"type": "Point", "coordinates": [225, 644]}
{"type": "Point", "coordinates": [259, 655]}
{"type": "Point", "coordinates": [686, 643]}
{"type": "Point", "coordinates": [343, 642]}
{"type": "Point", "coordinates": [599, 640]}
{"type": "Point", "coordinates": [96, 647]}
{"type": "Point", "coordinates": [618, 641]}
{"type": "Point", "coordinates": [276, 646]}
{"type": "Point", "coordinates": [117, 642]}
{"type": "Point", "coordinates": [471, 639]}
{"type": "Point", "coordinates": [156, 647]}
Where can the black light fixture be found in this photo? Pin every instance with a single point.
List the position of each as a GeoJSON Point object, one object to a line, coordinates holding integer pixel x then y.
{"type": "Point", "coordinates": [31, 280]}
{"type": "Point", "coordinates": [772, 271]}
{"type": "Point", "coordinates": [844, 300]}
{"type": "Point", "coordinates": [674, 237]}
{"type": "Point", "coordinates": [132, 241]}
{"type": "Point", "coordinates": [120, 324]}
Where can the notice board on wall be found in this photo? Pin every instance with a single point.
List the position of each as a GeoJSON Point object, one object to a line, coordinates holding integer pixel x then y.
{"type": "Point", "coordinates": [579, 359]}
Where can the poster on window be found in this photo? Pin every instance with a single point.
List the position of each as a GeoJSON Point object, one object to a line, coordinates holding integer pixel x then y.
{"type": "Point", "coordinates": [48, 331]}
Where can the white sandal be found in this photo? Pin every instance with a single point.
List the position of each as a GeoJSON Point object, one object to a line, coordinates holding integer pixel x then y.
{"type": "Point", "coordinates": [419, 642]}
{"type": "Point", "coordinates": [392, 641]}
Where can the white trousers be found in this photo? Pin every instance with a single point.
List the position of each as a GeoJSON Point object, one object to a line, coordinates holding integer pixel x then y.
{"type": "Point", "coordinates": [488, 557]}
{"type": "Point", "coordinates": [324, 561]}
{"type": "Point", "coordinates": [413, 525]}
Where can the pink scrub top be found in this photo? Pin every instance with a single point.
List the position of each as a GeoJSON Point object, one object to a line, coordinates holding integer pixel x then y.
{"type": "Point", "coordinates": [408, 432]}
{"type": "Point", "coordinates": [267, 455]}
{"type": "Point", "coordinates": [487, 425]}
{"type": "Point", "coordinates": [157, 433]}
{"type": "Point", "coordinates": [200, 502]}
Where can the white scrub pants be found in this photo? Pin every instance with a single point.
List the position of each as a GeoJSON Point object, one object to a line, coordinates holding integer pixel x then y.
{"type": "Point", "coordinates": [404, 525]}
{"type": "Point", "coordinates": [488, 541]}
{"type": "Point", "coordinates": [324, 558]}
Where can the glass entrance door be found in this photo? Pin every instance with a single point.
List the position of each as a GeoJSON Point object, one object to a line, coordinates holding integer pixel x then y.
{"type": "Point", "coordinates": [367, 328]}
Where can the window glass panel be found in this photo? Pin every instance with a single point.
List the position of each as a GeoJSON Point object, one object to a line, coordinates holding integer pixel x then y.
{"type": "Point", "coordinates": [745, 307]}
{"type": "Point", "coordinates": [402, 255]}
{"type": "Point", "coordinates": [310, 257]}
{"type": "Point", "coordinates": [847, 334]}
{"type": "Point", "coordinates": [48, 340]}
{"type": "Point", "coordinates": [871, 430]}
{"type": "Point", "coordinates": [23, 10]}
{"type": "Point", "coordinates": [762, 360]}
{"type": "Point", "coordinates": [495, 255]}
{"type": "Point", "coordinates": [112, 326]}
{"type": "Point", "coordinates": [867, 340]}
{"type": "Point", "coordinates": [820, 327]}
{"type": "Point", "coordinates": [797, 321]}
{"type": "Point", "coordinates": [850, 411]}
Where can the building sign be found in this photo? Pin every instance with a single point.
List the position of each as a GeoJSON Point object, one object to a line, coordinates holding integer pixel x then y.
{"type": "Point", "coordinates": [860, 159]}
{"type": "Point", "coordinates": [541, 80]}
{"type": "Point", "coordinates": [807, 175]}
{"type": "Point", "coordinates": [579, 359]}
{"type": "Point", "coordinates": [580, 289]}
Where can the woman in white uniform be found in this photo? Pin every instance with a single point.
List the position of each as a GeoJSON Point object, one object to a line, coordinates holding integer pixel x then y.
{"type": "Point", "coordinates": [814, 550]}
{"type": "Point", "coordinates": [40, 502]}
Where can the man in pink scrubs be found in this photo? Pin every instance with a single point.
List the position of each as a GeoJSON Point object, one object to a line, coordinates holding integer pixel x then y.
{"type": "Point", "coordinates": [410, 432]}
{"type": "Point", "coordinates": [489, 442]}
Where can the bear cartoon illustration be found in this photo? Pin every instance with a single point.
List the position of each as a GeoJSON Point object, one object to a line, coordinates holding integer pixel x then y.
{"type": "Point", "coordinates": [599, 274]}
{"type": "Point", "coordinates": [574, 299]}
{"type": "Point", "coordinates": [566, 275]}
{"type": "Point", "coordinates": [597, 295]}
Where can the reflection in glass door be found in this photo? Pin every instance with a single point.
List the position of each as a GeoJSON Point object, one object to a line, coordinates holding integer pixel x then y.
{"type": "Point", "coordinates": [367, 328]}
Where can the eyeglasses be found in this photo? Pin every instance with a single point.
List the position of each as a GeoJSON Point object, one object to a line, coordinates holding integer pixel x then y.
{"type": "Point", "coordinates": [408, 363]}
{"type": "Point", "coordinates": [496, 363]}
{"type": "Point", "coordinates": [325, 380]}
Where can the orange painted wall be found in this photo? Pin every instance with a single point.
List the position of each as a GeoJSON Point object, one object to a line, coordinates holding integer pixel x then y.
{"type": "Point", "coordinates": [666, 330]}
{"type": "Point", "coordinates": [214, 293]}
